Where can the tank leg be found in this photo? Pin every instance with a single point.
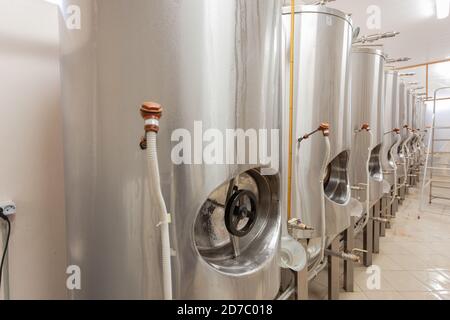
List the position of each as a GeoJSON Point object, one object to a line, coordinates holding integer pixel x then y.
{"type": "Point", "coordinates": [333, 272]}
{"type": "Point", "coordinates": [394, 208]}
{"type": "Point", "coordinates": [384, 214]}
{"type": "Point", "coordinates": [349, 245]}
{"type": "Point", "coordinates": [302, 284]}
{"type": "Point", "coordinates": [376, 228]}
{"type": "Point", "coordinates": [368, 241]}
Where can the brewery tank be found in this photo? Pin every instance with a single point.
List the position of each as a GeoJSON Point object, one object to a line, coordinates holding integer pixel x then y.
{"type": "Point", "coordinates": [322, 46]}
{"type": "Point", "coordinates": [215, 63]}
{"type": "Point", "coordinates": [367, 109]}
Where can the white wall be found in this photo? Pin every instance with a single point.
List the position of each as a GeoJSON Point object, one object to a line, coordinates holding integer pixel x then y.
{"type": "Point", "coordinates": [31, 153]}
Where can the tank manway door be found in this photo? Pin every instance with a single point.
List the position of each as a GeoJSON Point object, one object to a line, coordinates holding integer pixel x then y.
{"type": "Point", "coordinates": [238, 222]}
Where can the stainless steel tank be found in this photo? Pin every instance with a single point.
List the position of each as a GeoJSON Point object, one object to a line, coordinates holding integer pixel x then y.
{"type": "Point", "coordinates": [217, 62]}
{"type": "Point", "coordinates": [323, 38]}
{"type": "Point", "coordinates": [367, 108]}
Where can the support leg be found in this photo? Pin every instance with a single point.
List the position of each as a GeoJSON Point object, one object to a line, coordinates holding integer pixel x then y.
{"type": "Point", "coordinates": [368, 241]}
{"type": "Point", "coordinates": [333, 272]}
{"type": "Point", "coordinates": [384, 214]}
{"type": "Point", "coordinates": [349, 245]}
{"type": "Point", "coordinates": [376, 228]}
{"type": "Point", "coordinates": [302, 284]}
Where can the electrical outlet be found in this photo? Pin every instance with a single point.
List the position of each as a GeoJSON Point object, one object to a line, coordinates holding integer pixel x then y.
{"type": "Point", "coordinates": [9, 207]}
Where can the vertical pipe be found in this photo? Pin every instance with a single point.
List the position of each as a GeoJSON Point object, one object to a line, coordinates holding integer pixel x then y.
{"type": "Point", "coordinates": [291, 110]}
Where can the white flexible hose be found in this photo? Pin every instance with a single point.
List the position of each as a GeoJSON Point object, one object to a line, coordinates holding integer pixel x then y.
{"type": "Point", "coordinates": [158, 201]}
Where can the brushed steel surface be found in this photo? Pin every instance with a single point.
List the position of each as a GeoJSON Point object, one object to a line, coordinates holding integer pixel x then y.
{"type": "Point", "coordinates": [367, 108]}
{"type": "Point", "coordinates": [391, 120]}
{"type": "Point", "coordinates": [213, 61]}
{"type": "Point", "coordinates": [323, 38]}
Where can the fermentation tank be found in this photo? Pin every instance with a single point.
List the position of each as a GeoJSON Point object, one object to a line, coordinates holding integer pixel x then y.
{"type": "Point", "coordinates": [367, 109]}
{"type": "Point", "coordinates": [215, 63]}
{"type": "Point", "coordinates": [322, 38]}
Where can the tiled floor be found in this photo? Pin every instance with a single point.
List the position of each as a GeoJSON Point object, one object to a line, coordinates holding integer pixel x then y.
{"type": "Point", "coordinates": [414, 262]}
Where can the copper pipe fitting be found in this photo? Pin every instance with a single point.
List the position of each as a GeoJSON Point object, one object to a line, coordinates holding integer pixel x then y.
{"type": "Point", "coordinates": [152, 113]}
{"type": "Point", "coordinates": [396, 130]}
{"type": "Point", "coordinates": [325, 128]}
{"type": "Point", "coordinates": [365, 127]}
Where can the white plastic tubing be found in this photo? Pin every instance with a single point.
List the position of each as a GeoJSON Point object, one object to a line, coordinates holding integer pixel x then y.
{"type": "Point", "coordinates": [156, 195]}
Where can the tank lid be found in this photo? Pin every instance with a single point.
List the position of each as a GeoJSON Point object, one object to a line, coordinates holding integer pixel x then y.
{"type": "Point", "coordinates": [374, 51]}
{"type": "Point", "coordinates": [318, 9]}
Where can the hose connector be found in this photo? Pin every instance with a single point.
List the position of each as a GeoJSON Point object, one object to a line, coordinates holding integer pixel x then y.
{"type": "Point", "coordinates": [364, 127]}
{"type": "Point", "coordinates": [152, 113]}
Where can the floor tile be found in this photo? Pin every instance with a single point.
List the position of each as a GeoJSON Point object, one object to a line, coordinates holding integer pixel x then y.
{"type": "Point", "coordinates": [404, 281]}
{"type": "Point", "coordinates": [387, 295]}
{"type": "Point", "coordinates": [352, 296]}
{"type": "Point", "coordinates": [420, 296]}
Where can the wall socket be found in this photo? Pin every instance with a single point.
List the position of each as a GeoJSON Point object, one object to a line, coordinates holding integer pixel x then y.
{"type": "Point", "coordinates": [9, 207]}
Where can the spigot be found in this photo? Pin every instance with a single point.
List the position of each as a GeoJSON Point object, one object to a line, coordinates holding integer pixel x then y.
{"type": "Point", "coordinates": [298, 225]}
{"type": "Point", "coordinates": [344, 256]}
{"type": "Point", "coordinates": [379, 219]}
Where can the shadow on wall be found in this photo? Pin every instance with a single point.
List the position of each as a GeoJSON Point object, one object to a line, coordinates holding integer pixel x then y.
{"type": "Point", "coordinates": [31, 165]}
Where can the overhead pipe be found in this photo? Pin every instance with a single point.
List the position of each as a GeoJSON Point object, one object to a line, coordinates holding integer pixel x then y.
{"type": "Point", "coordinates": [404, 59]}
{"type": "Point", "coordinates": [376, 37]}
{"type": "Point", "coordinates": [407, 74]}
{"type": "Point", "coordinates": [152, 112]}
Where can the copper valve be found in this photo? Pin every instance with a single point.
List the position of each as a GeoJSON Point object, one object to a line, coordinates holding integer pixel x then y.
{"type": "Point", "coordinates": [396, 130]}
{"type": "Point", "coordinates": [152, 113]}
{"type": "Point", "coordinates": [364, 127]}
{"type": "Point", "coordinates": [324, 127]}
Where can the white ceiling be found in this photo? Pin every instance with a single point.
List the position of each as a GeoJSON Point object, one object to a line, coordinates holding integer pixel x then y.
{"type": "Point", "coordinates": [422, 36]}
